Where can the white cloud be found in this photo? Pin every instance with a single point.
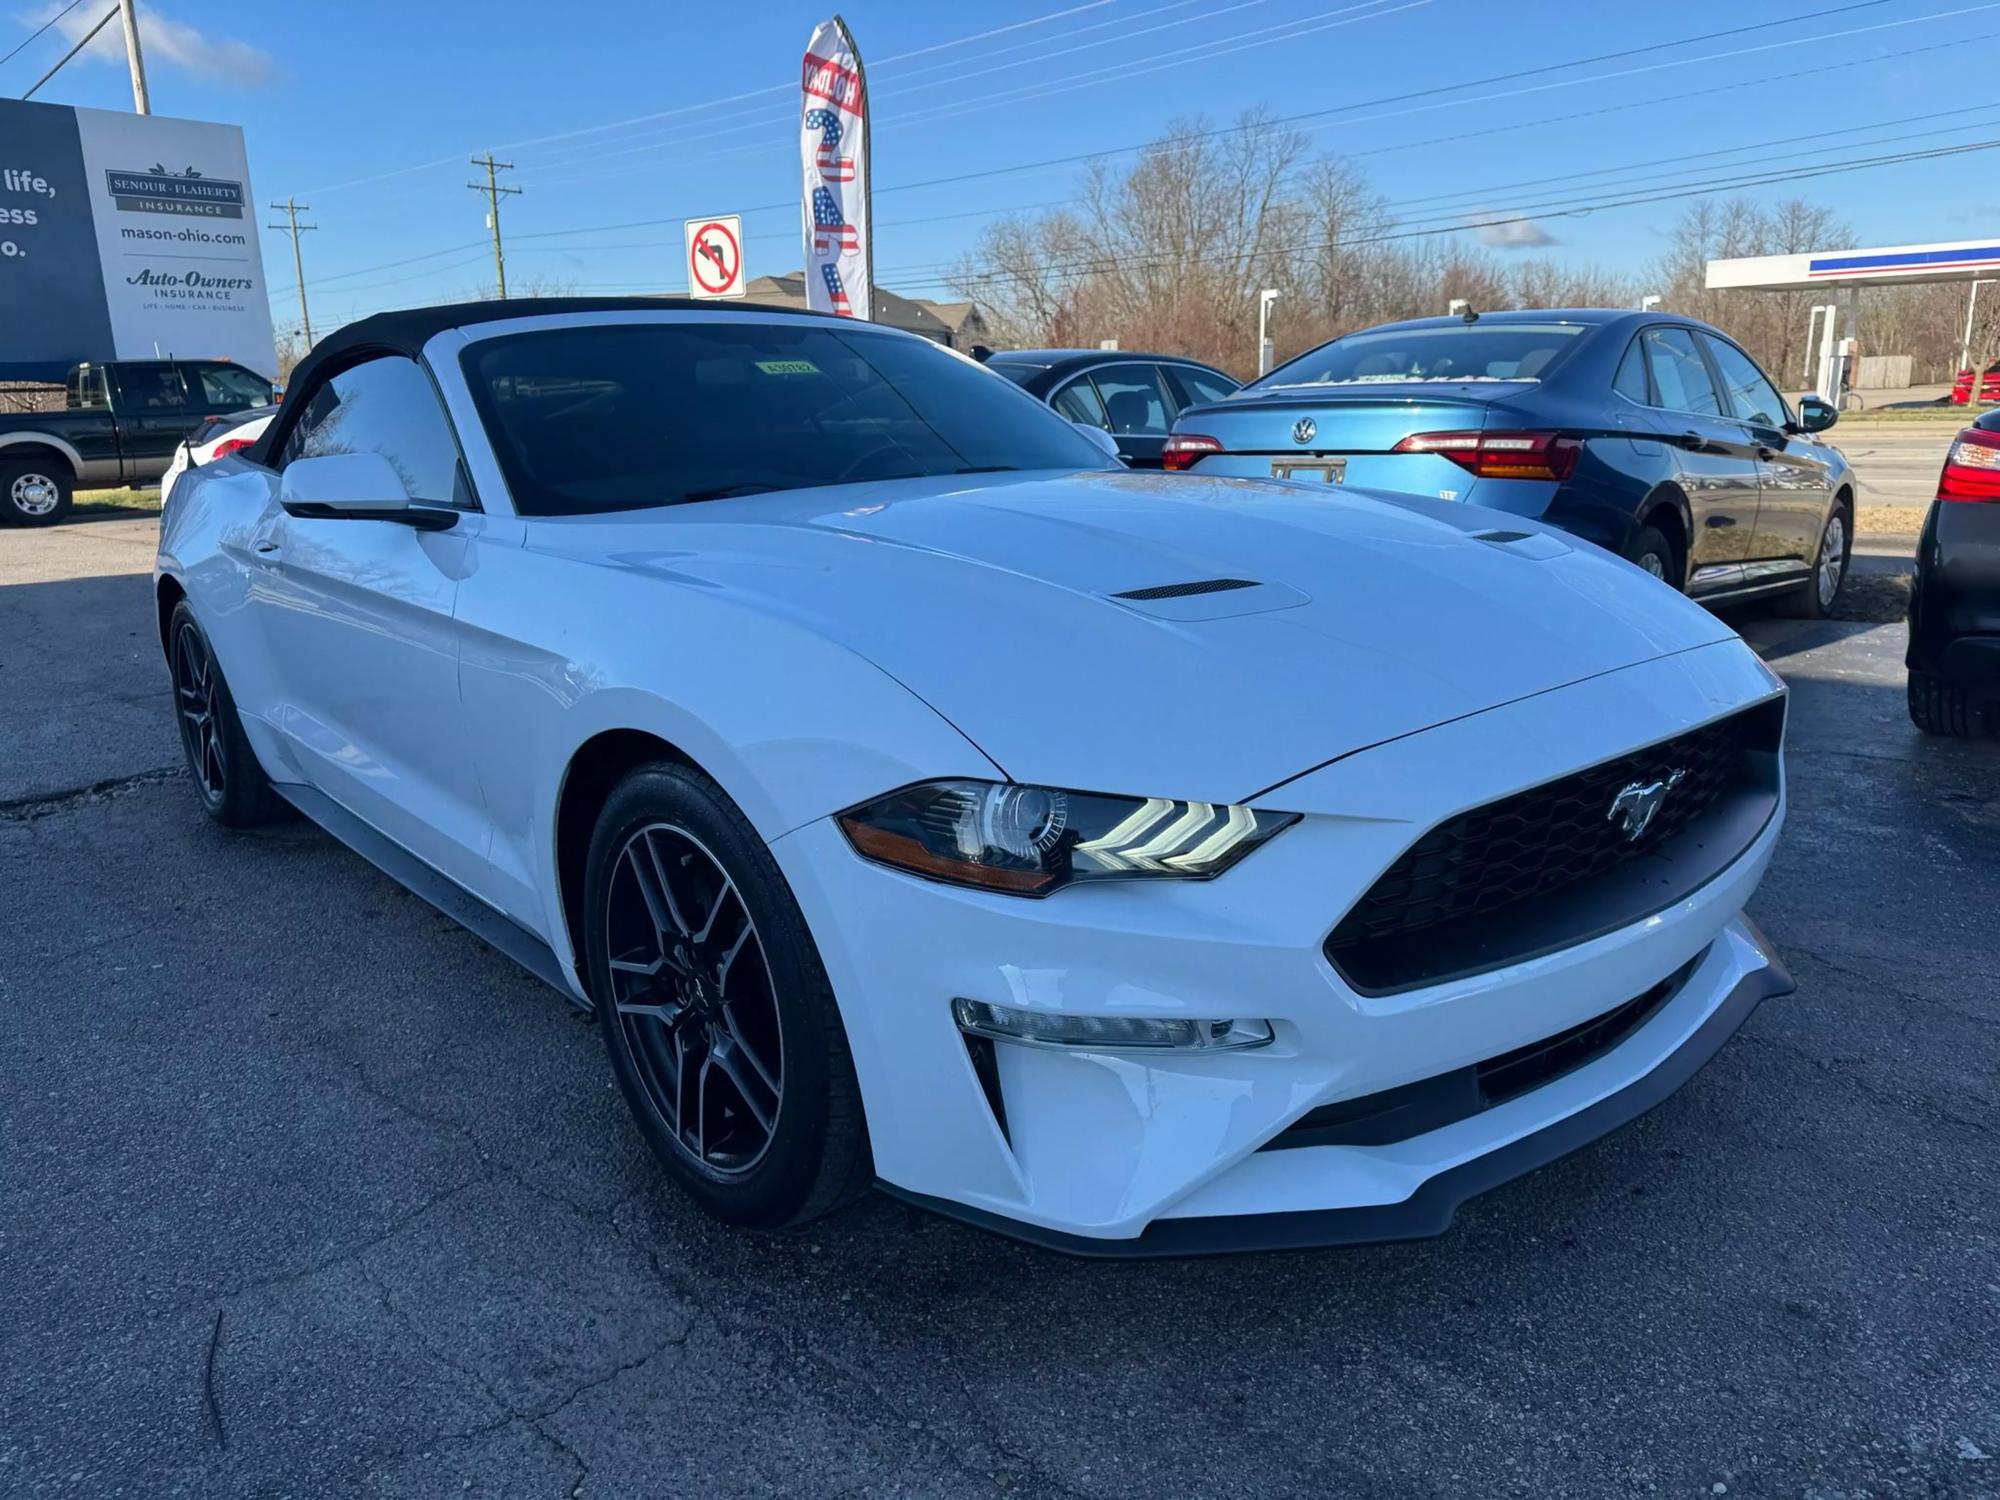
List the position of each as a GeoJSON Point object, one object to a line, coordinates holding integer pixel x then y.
{"type": "Point", "coordinates": [1517, 234]}
{"type": "Point", "coordinates": [165, 40]}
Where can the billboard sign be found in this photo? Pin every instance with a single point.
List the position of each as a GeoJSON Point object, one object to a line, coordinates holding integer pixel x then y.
{"type": "Point", "coordinates": [126, 237]}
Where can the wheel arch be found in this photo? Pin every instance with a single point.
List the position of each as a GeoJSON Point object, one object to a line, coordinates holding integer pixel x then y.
{"type": "Point", "coordinates": [1666, 511]}
{"type": "Point", "coordinates": [166, 595]}
{"type": "Point", "coordinates": [44, 448]}
{"type": "Point", "coordinates": [593, 772]}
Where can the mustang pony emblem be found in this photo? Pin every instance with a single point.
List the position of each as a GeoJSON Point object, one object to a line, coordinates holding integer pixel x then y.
{"type": "Point", "coordinates": [1303, 430]}
{"type": "Point", "coordinates": [1639, 803]}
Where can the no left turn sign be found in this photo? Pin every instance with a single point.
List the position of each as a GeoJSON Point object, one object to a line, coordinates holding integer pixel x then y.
{"type": "Point", "coordinates": [715, 256]}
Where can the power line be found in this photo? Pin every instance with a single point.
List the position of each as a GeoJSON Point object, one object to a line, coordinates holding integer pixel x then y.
{"type": "Point", "coordinates": [1263, 36]}
{"type": "Point", "coordinates": [494, 192]}
{"type": "Point", "coordinates": [1091, 266]}
{"type": "Point", "coordinates": [23, 46]}
{"type": "Point", "coordinates": [714, 103]}
{"type": "Point", "coordinates": [790, 205]}
{"type": "Point", "coordinates": [85, 42]}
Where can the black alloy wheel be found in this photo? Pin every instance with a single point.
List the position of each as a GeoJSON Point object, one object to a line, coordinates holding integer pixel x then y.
{"type": "Point", "coordinates": [716, 1011]}
{"type": "Point", "coordinates": [231, 784]}
{"type": "Point", "coordinates": [197, 696]}
{"type": "Point", "coordinates": [695, 999]}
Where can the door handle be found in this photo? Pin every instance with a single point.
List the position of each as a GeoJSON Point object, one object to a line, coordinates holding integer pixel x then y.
{"type": "Point", "coordinates": [268, 549]}
{"type": "Point", "coordinates": [1766, 454]}
{"type": "Point", "coordinates": [1694, 442]}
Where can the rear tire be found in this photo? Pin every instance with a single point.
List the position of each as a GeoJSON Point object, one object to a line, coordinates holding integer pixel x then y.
{"type": "Point", "coordinates": [1819, 595]}
{"type": "Point", "coordinates": [34, 493]}
{"type": "Point", "coordinates": [1653, 552]}
{"type": "Point", "coordinates": [227, 778]}
{"type": "Point", "coordinates": [1941, 707]}
{"type": "Point", "coordinates": [721, 1025]}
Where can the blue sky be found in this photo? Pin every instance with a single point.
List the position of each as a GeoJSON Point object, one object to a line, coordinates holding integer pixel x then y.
{"type": "Point", "coordinates": [367, 110]}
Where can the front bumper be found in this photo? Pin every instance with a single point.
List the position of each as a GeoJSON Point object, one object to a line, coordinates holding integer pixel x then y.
{"type": "Point", "coordinates": [1429, 1210]}
{"type": "Point", "coordinates": [1161, 1154]}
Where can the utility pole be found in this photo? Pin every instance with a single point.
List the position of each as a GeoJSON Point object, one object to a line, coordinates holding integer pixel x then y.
{"type": "Point", "coordinates": [295, 228]}
{"type": "Point", "coordinates": [492, 189]}
{"type": "Point", "coordinates": [142, 102]}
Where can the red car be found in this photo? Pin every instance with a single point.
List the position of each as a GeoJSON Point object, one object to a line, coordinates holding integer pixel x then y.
{"type": "Point", "coordinates": [1989, 386]}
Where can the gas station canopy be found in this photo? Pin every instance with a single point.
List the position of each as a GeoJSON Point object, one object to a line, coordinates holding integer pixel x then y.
{"type": "Point", "coordinates": [1889, 265]}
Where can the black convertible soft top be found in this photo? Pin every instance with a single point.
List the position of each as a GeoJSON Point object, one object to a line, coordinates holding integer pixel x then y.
{"type": "Point", "coordinates": [407, 330]}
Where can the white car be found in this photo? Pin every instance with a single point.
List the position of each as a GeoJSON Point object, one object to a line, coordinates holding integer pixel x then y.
{"type": "Point", "coordinates": [218, 437]}
{"type": "Point", "coordinates": [1139, 864]}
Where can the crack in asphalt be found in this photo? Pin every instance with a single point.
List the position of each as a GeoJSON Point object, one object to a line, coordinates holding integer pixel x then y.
{"type": "Point", "coordinates": [1888, 988]}
{"type": "Point", "coordinates": [1916, 1104]}
{"type": "Point", "coordinates": [208, 1383]}
{"type": "Point", "coordinates": [42, 804]}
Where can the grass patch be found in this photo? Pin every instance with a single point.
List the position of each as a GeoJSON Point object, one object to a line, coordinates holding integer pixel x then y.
{"type": "Point", "coordinates": [1957, 416]}
{"type": "Point", "coordinates": [110, 505]}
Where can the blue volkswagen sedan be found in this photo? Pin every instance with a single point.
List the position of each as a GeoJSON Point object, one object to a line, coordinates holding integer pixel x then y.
{"type": "Point", "coordinates": [1651, 435]}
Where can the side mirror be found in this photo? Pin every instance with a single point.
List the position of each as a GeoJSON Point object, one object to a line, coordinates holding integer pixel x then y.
{"type": "Point", "coordinates": [1816, 415]}
{"type": "Point", "coordinates": [356, 487]}
{"type": "Point", "coordinates": [1100, 437]}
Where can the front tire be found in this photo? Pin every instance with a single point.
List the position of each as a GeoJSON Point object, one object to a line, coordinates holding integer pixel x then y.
{"type": "Point", "coordinates": [721, 1025]}
{"type": "Point", "coordinates": [227, 778]}
{"type": "Point", "coordinates": [34, 493]}
{"type": "Point", "coordinates": [1819, 595]}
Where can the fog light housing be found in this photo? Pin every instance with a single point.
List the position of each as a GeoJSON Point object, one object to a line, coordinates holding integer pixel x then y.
{"type": "Point", "coordinates": [1050, 1028]}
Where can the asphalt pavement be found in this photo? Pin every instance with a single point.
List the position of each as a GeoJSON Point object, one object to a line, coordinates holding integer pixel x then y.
{"type": "Point", "coordinates": [305, 1191]}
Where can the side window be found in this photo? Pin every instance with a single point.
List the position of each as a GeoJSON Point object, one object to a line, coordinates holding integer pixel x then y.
{"type": "Point", "coordinates": [1078, 401]}
{"type": "Point", "coordinates": [1679, 374]}
{"type": "Point", "coordinates": [149, 389]}
{"type": "Point", "coordinates": [1200, 385]}
{"type": "Point", "coordinates": [1134, 399]}
{"type": "Point", "coordinates": [1630, 381]}
{"type": "Point", "coordinates": [1750, 395]}
{"type": "Point", "coordinates": [384, 406]}
{"type": "Point", "coordinates": [226, 387]}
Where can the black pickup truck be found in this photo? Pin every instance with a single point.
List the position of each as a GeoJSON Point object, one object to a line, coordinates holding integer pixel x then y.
{"type": "Point", "coordinates": [120, 424]}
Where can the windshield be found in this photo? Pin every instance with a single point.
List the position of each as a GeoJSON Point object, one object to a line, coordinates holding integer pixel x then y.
{"type": "Point", "coordinates": [1460, 352]}
{"type": "Point", "coordinates": [621, 416]}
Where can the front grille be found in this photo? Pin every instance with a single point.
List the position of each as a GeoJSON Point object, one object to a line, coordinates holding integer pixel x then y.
{"type": "Point", "coordinates": [1414, 1109]}
{"type": "Point", "coordinates": [1535, 850]}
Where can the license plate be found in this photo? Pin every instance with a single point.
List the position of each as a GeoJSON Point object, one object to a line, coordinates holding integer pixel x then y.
{"type": "Point", "coordinates": [1325, 470]}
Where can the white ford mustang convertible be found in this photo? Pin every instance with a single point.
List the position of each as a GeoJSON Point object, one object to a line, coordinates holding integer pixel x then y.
{"type": "Point", "coordinates": [1137, 864]}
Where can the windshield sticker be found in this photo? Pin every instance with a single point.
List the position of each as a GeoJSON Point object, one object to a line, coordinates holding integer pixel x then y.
{"type": "Point", "coordinates": [788, 367]}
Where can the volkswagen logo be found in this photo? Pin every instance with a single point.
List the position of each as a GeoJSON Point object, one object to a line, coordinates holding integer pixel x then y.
{"type": "Point", "coordinates": [1637, 805]}
{"type": "Point", "coordinates": [1304, 430]}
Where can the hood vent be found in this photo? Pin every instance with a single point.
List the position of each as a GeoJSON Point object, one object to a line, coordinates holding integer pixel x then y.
{"type": "Point", "coordinates": [1188, 590]}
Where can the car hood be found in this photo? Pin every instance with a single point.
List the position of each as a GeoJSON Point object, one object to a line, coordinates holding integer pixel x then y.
{"type": "Point", "coordinates": [1007, 603]}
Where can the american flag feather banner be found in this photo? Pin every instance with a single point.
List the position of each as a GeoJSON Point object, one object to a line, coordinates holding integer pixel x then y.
{"type": "Point", "coordinates": [833, 155]}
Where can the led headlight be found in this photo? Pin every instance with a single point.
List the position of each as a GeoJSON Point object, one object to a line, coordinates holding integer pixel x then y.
{"type": "Point", "coordinates": [1048, 1028]}
{"type": "Point", "coordinates": [1028, 840]}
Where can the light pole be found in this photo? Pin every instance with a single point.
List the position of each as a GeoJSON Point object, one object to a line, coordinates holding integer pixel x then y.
{"type": "Point", "coordinates": [1965, 344]}
{"type": "Point", "coordinates": [1265, 353]}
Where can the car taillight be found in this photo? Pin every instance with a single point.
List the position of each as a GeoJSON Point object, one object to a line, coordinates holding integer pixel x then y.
{"type": "Point", "coordinates": [1972, 467]}
{"type": "Point", "coordinates": [1185, 449]}
{"type": "Point", "coordinates": [1500, 455]}
{"type": "Point", "coordinates": [228, 446]}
